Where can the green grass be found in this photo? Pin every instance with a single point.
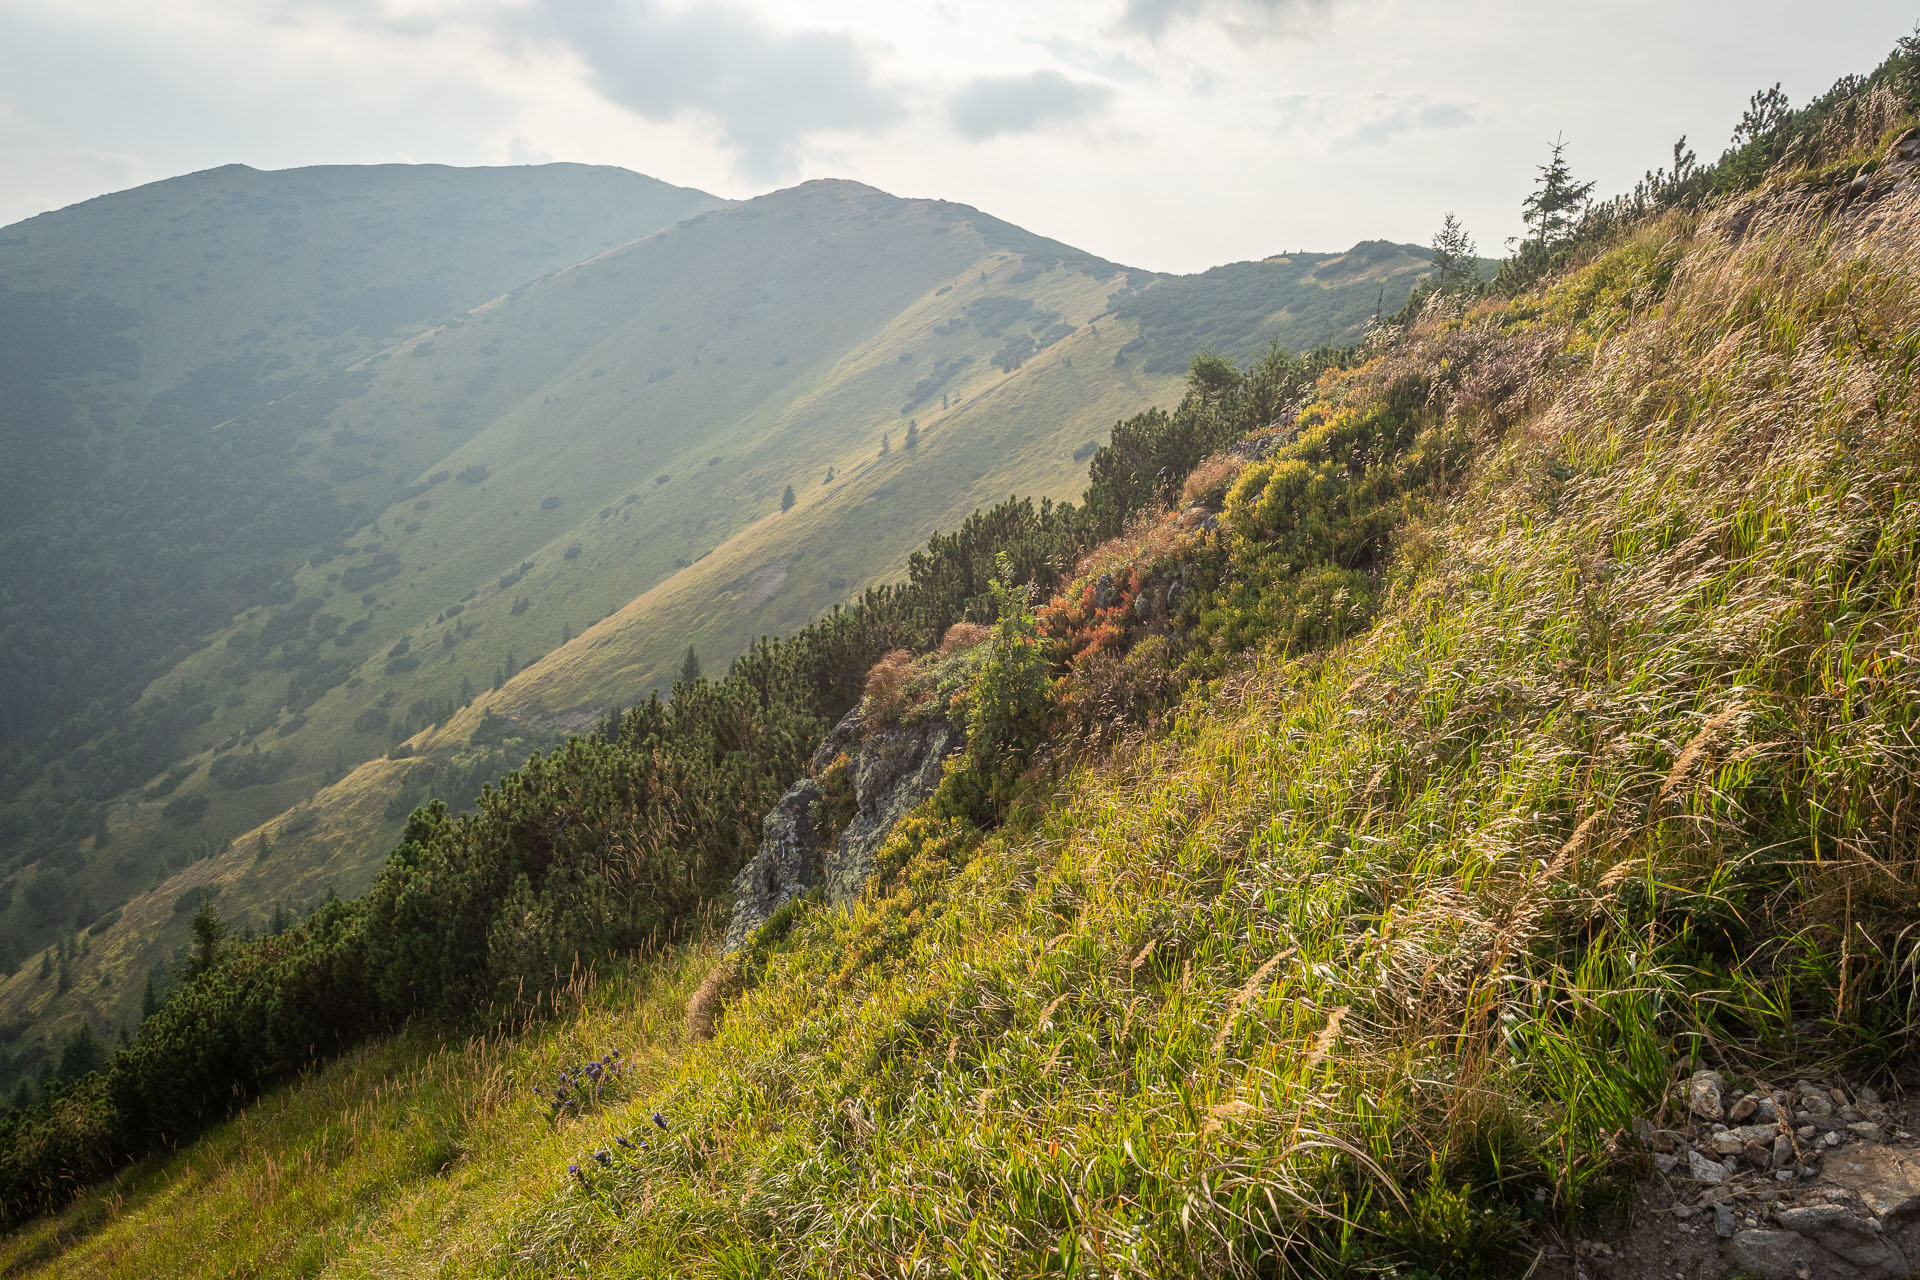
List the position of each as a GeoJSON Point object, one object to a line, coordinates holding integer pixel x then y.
{"type": "Point", "coordinates": [1359, 963]}
{"type": "Point", "coordinates": [399, 1155]}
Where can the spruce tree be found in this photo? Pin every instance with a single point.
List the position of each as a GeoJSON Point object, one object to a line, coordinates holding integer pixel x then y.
{"type": "Point", "coordinates": [1557, 204]}
{"type": "Point", "coordinates": [786, 499]}
{"type": "Point", "coordinates": [913, 433]}
{"type": "Point", "coordinates": [209, 932]}
{"type": "Point", "coordinates": [689, 668]}
{"type": "Point", "coordinates": [81, 1054]}
{"type": "Point", "coordinates": [1454, 255]}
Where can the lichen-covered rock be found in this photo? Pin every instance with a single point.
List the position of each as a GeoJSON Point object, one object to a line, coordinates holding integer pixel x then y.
{"type": "Point", "coordinates": [842, 738]}
{"type": "Point", "coordinates": [893, 771]}
{"type": "Point", "coordinates": [787, 865]}
{"type": "Point", "coordinates": [1704, 1093]}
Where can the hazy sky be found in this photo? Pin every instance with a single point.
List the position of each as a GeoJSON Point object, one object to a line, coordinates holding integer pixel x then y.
{"type": "Point", "coordinates": [1171, 134]}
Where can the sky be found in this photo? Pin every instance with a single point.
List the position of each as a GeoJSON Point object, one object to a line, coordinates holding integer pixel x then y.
{"type": "Point", "coordinates": [1168, 134]}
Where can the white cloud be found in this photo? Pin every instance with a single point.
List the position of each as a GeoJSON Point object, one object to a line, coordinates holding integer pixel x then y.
{"type": "Point", "coordinates": [767, 88]}
{"type": "Point", "coordinates": [1368, 119]}
{"type": "Point", "coordinates": [994, 105]}
{"type": "Point", "coordinates": [1170, 134]}
{"type": "Point", "coordinates": [1151, 18]}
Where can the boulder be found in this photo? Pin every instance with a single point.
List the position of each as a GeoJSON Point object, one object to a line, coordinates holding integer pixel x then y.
{"type": "Point", "coordinates": [787, 865]}
{"type": "Point", "coordinates": [1887, 1181]}
{"type": "Point", "coordinates": [893, 771]}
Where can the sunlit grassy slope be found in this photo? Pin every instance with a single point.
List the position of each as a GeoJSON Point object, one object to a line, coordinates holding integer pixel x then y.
{"type": "Point", "coordinates": [610, 446]}
{"type": "Point", "coordinates": [1359, 963]}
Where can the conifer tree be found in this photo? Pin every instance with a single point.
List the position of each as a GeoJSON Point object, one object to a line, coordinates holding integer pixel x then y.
{"type": "Point", "coordinates": [1558, 202]}
{"type": "Point", "coordinates": [81, 1053]}
{"type": "Point", "coordinates": [1454, 255]}
{"type": "Point", "coordinates": [913, 433]}
{"type": "Point", "coordinates": [209, 932]}
{"type": "Point", "coordinates": [886, 443]}
{"type": "Point", "coordinates": [786, 499]}
{"type": "Point", "coordinates": [689, 668]}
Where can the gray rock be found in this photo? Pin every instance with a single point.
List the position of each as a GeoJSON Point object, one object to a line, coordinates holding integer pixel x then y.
{"type": "Point", "coordinates": [1726, 1143]}
{"type": "Point", "coordinates": [1851, 1238]}
{"type": "Point", "coordinates": [1704, 1095]}
{"type": "Point", "coordinates": [843, 737]}
{"type": "Point", "coordinates": [1786, 1255]}
{"type": "Point", "coordinates": [1782, 1151]}
{"type": "Point", "coordinates": [893, 771]}
{"type": "Point", "coordinates": [1702, 1169]}
{"type": "Point", "coordinates": [1723, 1221]}
{"type": "Point", "coordinates": [787, 865]}
{"type": "Point", "coordinates": [1817, 1219]}
{"type": "Point", "coordinates": [1887, 1182]}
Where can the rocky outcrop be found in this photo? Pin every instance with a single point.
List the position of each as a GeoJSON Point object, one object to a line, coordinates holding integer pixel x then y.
{"type": "Point", "coordinates": [1815, 1181]}
{"type": "Point", "coordinates": [787, 864]}
{"type": "Point", "coordinates": [891, 771]}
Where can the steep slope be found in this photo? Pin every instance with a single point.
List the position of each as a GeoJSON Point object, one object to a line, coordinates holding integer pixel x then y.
{"type": "Point", "coordinates": [612, 442]}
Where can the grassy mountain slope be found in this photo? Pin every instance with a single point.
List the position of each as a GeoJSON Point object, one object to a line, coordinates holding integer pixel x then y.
{"type": "Point", "coordinates": [1362, 960]}
{"type": "Point", "coordinates": [161, 353]}
{"type": "Point", "coordinates": [311, 263]}
{"type": "Point", "coordinates": [138, 322]}
{"type": "Point", "coordinates": [611, 442]}
{"type": "Point", "coordinates": [1236, 309]}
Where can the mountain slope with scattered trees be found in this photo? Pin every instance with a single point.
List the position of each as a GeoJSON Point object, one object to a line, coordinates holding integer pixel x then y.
{"type": "Point", "coordinates": [1403, 766]}
{"type": "Point", "coordinates": [615, 438]}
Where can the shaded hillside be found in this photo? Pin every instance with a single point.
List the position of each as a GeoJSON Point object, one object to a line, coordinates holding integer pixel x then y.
{"type": "Point", "coordinates": [1295, 299]}
{"type": "Point", "coordinates": [160, 351]}
{"type": "Point", "coordinates": [622, 431]}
